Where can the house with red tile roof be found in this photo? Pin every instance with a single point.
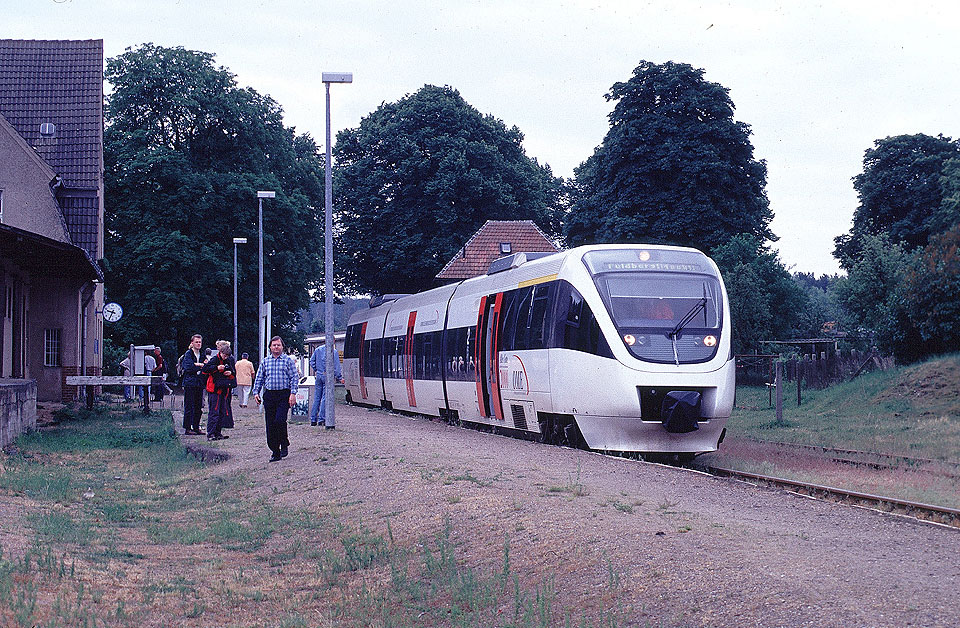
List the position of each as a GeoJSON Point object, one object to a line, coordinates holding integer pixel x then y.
{"type": "Point", "coordinates": [495, 239]}
{"type": "Point", "coordinates": [51, 213]}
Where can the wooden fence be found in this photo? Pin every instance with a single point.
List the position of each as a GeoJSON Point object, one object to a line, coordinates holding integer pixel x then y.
{"type": "Point", "coordinates": [815, 371]}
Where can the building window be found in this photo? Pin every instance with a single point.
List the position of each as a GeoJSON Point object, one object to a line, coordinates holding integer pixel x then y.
{"type": "Point", "coordinates": [505, 247]}
{"type": "Point", "coordinates": [51, 347]}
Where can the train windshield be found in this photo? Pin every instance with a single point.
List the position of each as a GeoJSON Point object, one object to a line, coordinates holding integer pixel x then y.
{"type": "Point", "coordinates": [666, 305]}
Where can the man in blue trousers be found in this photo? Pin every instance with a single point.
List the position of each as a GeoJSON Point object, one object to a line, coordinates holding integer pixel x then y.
{"type": "Point", "coordinates": [318, 362]}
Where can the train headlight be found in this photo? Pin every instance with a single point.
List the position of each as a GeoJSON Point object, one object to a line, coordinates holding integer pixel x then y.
{"type": "Point", "coordinates": [710, 341]}
{"type": "Point", "coordinates": [629, 339]}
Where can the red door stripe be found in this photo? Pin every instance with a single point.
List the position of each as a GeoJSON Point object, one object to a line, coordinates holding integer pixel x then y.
{"type": "Point", "coordinates": [408, 351]}
{"type": "Point", "coordinates": [363, 382]}
{"type": "Point", "coordinates": [495, 360]}
{"type": "Point", "coordinates": [478, 371]}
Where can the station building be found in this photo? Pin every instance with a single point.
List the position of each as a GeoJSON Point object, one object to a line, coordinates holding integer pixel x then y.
{"type": "Point", "coordinates": [51, 220]}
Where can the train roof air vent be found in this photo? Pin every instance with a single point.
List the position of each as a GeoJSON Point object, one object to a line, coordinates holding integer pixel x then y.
{"type": "Point", "coordinates": [513, 261]}
{"type": "Point", "coordinates": [380, 300]}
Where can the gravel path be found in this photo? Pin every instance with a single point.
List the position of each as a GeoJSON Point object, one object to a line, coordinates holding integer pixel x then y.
{"type": "Point", "coordinates": [688, 549]}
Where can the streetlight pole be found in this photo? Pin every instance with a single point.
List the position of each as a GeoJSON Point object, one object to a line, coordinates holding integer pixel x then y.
{"type": "Point", "coordinates": [262, 350]}
{"type": "Point", "coordinates": [236, 241]}
{"type": "Point", "coordinates": [329, 341]}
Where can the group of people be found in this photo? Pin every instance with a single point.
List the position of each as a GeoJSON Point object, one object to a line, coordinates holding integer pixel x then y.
{"type": "Point", "coordinates": [155, 364]}
{"type": "Point", "coordinates": [274, 385]}
{"type": "Point", "coordinates": [218, 374]}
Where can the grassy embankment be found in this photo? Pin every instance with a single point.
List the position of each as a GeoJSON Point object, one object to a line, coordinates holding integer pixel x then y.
{"type": "Point", "coordinates": [109, 522]}
{"type": "Point", "coordinates": [910, 411]}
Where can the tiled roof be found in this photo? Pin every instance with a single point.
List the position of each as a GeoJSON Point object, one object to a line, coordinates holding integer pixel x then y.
{"type": "Point", "coordinates": [60, 82]}
{"type": "Point", "coordinates": [473, 260]}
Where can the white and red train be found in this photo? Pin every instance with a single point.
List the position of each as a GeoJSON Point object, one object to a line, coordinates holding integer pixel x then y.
{"type": "Point", "coordinates": [626, 347]}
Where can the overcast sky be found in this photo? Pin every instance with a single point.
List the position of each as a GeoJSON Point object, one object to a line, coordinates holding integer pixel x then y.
{"type": "Point", "coordinates": [817, 82]}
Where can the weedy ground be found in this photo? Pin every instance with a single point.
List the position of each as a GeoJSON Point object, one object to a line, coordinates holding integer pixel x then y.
{"type": "Point", "coordinates": [112, 523]}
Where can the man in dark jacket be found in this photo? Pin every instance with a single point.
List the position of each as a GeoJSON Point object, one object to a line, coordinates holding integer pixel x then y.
{"type": "Point", "coordinates": [193, 384]}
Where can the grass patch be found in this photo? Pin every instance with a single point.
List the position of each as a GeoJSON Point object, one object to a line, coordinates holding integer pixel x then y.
{"type": "Point", "coordinates": [431, 587]}
{"type": "Point", "coordinates": [910, 411]}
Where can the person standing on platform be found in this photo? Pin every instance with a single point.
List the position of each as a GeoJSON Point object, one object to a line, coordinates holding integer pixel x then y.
{"type": "Point", "coordinates": [161, 370]}
{"type": "Point", "coordinates": [245, 374]}
{"type": "Point", "coordinates": [149, 363]}
{"type": "Point", "coordinates": [318, 362]}
{"type": "Point", "coordinates": [193, 384]}
{"type": "Point", "coordinates": [279, 379]}
{"type": "Point", "coordinates": [222, 371]}
{"type": "Point", "coordinates": [125, 367]}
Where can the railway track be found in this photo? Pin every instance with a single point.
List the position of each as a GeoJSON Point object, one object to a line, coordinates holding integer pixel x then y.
{"type": "Point", "coordinates": [872, 459]}
{"type": "Point", "coordinates": [924, 512]}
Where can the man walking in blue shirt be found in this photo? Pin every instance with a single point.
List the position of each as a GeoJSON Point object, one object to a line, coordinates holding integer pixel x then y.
{"type": "Point", "coordinates": [279, 379]}
{"type": "Point", "coordinates": [318, 362]}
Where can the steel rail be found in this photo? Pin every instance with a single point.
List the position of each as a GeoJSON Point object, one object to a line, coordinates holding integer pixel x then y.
{"type": "Point", "coordinates": [923, 512]}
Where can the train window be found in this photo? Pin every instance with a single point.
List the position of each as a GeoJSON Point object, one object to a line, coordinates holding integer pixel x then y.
{"type": "Point", "coordinates": [459, 353]}
{"type": "Point", "coordinates": [580, 329]}
{"type": "Point", "coordinates": [508, 320]}
{"type": "Point", "coordinates": [524, 297]}
{"type": "Point", "coordinates": [660, 300]}
{"type": "Point", "coordinates": [373, 358]}
{"type": "Point", "coordinates": [539, 310]}
{"type": "Point", "coordinates": [351, 346]}
{"type": "Point", "coordinates": [470, 361]}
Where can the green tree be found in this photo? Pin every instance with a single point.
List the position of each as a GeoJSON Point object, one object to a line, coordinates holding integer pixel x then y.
{"type": "Point", "coordinates": [949, 214]}
{"type": "Point", "coordinates": [765, 301]}
{"type": "Point", "coordinates": [820, 308]}
{"type": "Point", "coordinates": [871, 293]}
{"type": "Point", "coordinates": [929, 299]}
{"type": "Point", "coordinates": [185, 151]}
{"type": "Point", "coordinates": [900, 192]}
{"type": "Point", "coordinates": [418, 177]}
{"type": "Point", "coordinates": [674, 167]}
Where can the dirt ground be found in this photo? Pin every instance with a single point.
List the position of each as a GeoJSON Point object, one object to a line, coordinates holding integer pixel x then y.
{"type": "Point", "coordinates": [688, 549]}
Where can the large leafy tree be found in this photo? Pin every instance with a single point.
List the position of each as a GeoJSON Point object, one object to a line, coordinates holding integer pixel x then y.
{"type": "Point", "coordinates": [929, 299]}
{"type": "Point", "coordinates": [901, 193]}
{"type": "Point", "coordinates": [418, 177]}
{"type": "Point", "coordinates": [674, 167]}
{"type": "Point", "coordinates": [185, 151]}
{"type": "Point", "coordinates": [765, 301]}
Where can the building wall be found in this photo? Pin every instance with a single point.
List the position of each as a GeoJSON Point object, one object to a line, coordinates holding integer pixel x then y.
{"type": "Point", "coordinates": [28, 201]}
{"type": "Point", "coordinates": [18, 409]}
{"type": "Point", "coordinates": [54, 304]}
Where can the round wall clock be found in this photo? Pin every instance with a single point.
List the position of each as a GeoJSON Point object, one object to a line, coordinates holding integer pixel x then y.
{"type": "Point", "coordinates": [112, 312]}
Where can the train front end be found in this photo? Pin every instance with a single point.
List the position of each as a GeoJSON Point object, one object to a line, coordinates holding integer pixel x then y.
{"type": "Point", "coordinates": [665, 316]}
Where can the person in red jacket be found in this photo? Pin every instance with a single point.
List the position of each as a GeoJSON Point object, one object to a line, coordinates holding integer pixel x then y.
{"type": "Point", "coordinates": [222, 369]}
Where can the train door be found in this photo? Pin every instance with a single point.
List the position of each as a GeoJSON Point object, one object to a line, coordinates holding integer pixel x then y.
{"type": "Point", "coordinates": [487, 359]}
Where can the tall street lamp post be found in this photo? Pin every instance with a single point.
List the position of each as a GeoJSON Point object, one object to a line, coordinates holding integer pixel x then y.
{"type": "Point", "coordinates": [329, 342]}
{"type": "Point", "coordinates": [236, 241]}
{"type": "Point", "coordinates": [260, 196]}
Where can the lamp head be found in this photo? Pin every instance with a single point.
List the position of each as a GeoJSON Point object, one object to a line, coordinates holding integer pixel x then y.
{"type": "Point", "coordinates": [337, 77]}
